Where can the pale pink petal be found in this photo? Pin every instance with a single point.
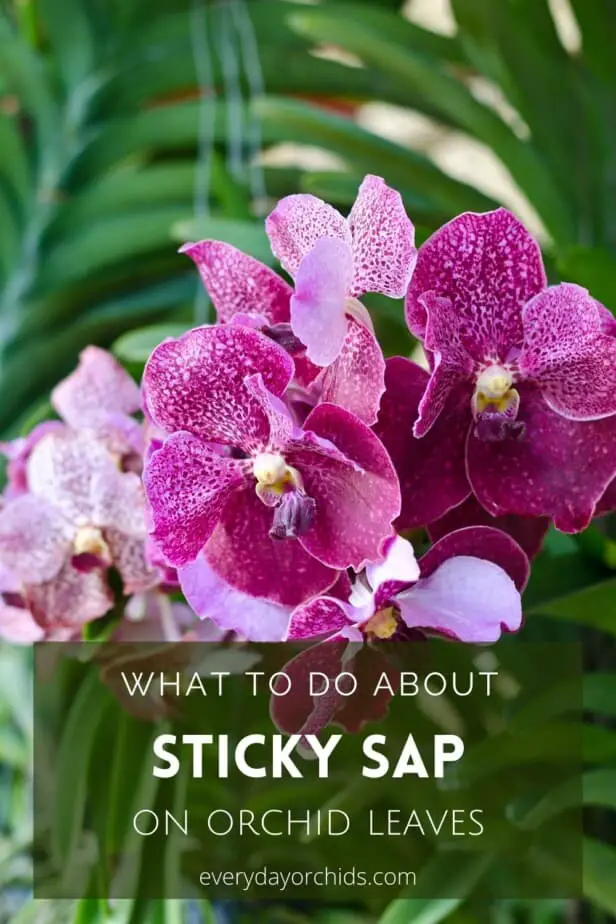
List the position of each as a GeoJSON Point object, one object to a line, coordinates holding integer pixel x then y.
{"type": "Point", "coordinates": [188, 485]}
{"type": "Point", "coordinates": [399, 564]}
{"type": "Point", "coordinates": [16, 623]}
{"type": "Point", "coordinates": [356, 379]}
{"type": "Point", "coordinates": [318, 315]}
{"type": "Point", "coordinates": [567, 354]}
{"type": "Point", "coordinates": [34, 539]}
{"type": "Point", "coordinates": [196, 383]}
{"type": "Point", "coordinates": [384, 253]}
{"type": "Point", "coordinates": [480, 542]}
{"type": "Point", "coordinates": [98, 386]}
{"type": "Point", "coordinates": [128, 554]}
{"type": "Point", "coordinates": [469, 599]}
{"type": "Point", "coordinates": [61, 470]}
{"type": "Point", "coordinates": [71, 599]}
{"type": "Point", "coordinates": [237, 283]}
{"type": "Point", "coordinates": [119, 502]}
{"type": "Point", "coordinates": [211, 598]}
{"type": "Point", "coordinates": [297, 223]}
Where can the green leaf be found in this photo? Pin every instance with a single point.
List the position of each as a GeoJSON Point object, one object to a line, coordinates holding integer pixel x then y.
{"type": "Point", "coordinates": [70, 34]}
{"type": "Point", "coordinates": [247, 236]}
{"type": "Point", "coordinates": [460, 872]}
{"type": "Point", "coordinates": [592, 268]}
{"type": "Point", "coordinates": [136, 345]}
{"type": "Point", "coordinates": [599, 878]}
{"type": "Point", "coordinates": [593, 606]}
{"type": "Point", "coordinates": [86, 714]}
{"type": "Point", "coordinates": [448, 95]}
{"type": "Point", "coordinates": [408, 171]}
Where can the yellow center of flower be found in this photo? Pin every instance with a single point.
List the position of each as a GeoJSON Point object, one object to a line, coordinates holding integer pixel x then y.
{"type": "Point", "coordinates": [383, 624]}
{"type": "Point", "coordinates": [493, 390]}
{"type": "Point", "coordinates": [274, 475]}
{"type": "Point", "coordinates": [90, 541]}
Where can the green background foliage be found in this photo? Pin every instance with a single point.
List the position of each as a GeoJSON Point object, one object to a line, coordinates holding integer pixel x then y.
{"type": "Point", "coordinates": [129, 126]}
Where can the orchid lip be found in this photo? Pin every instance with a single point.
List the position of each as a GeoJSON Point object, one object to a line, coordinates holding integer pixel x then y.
{"type": "Point", "coordinates": [383, 624]}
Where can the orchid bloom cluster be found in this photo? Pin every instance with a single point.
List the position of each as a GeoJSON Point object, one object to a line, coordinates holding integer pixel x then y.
{"type": "Point", "coordinates": [282, 462]}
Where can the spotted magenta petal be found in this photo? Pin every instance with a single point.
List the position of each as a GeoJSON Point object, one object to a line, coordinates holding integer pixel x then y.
{"type": "Point", "coordinates": [196, 383]}
{"type": "Point", "coordinates": [523, 373]}
{"type": "Point", "coordinates": [333, 259]}
{"type": "Point", "coordinates": [210, 597]}
{"type": "Point", "coordinates": [378, 232]}
{"type": "Point", "coordinates": [566, 352]}
{"type": "Point", "coordinates": [248, 293]}
{"type": "Point", "coordinates": [237, 283]}
{"type": "Point", "coordinates": [488, 266]}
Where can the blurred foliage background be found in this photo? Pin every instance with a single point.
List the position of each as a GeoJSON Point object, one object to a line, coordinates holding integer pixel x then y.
{"type": "Point", "coordinates": [129, 126]}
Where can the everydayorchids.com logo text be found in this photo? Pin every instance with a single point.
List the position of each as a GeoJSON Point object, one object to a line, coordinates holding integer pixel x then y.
{"type": "Point", "coordinates": [306, 879]}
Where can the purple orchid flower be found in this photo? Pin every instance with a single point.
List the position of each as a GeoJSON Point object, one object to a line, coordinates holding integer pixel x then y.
{"type": "Point", "coordinates": [334, 260]}
{"type": "Point", "coordinates": [466, 587]}
{"type": "Point", "coordinates": [520, 406]}
{"type": "Point", "coordinates": [245, 291]}
{"type": "Point", "coordinates": [277, 510]}
{"type": "Point", "coordinates": [81, 516]}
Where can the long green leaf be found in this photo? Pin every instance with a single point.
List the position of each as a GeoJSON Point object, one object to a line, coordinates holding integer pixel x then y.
{"type": "Point", "coordinates": [599, 878]}
{"type": "Point", "coordinates": [451, 97]}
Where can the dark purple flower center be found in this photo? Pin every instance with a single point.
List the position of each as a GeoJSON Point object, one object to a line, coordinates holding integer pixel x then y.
{"type": "Point", "coordinates": [293, 516]}
{"type": "Point", "coordinates": [495, 405]}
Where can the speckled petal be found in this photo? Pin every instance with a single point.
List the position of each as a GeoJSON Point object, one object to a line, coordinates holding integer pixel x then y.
{"type": "Point", "coordinates": [431, 469]}
{"type": "Point", "coordinates": [70, 599]}
{"type": "Point", "coordinates": [128, 554]}
{"type": "Point", "coordinates": [466, 598]}
{"type": "Point", "coordinates": [452, 364]}
{"type": "Point", "coordinates": [253, 618]}
{"type": "Point", "coordinates": [34, 538]}
{"type": "Point", "coordinates": [489, 266]}
{"type": "Point", "coordinates": [237, 283]}
{"type": "Point", "coordinates": [322, 616]}
{"type": "Point", "coordinates": [62, 470]}
{"type": "Point", "coordinates": [528, 532]}
{"type": "Point", "coordinates": [281, 425]}
{"type": "Point", "coordinates": [355, 507]}
{"type": "Point", "coordinates": [480, 542]}
{"type": "Point", "coordinates": [196, 383]}
{"type": "Point", "coordinates": [356, 379]}
{"type": "Point", "coordinates": [243, 554]}
{"type": "Point", "coordinates": [607, 502]}
{"type": "Point", "coordinates": [384, 251]}
{"type": "Point", "coordinates": [16, 623]}
{"type": "Point", "coordinates": [559, 469]}
{"type": "Point", "coordinates": [297, 223]}
{"type": "Point", "coordinates": [567, 354]}
{"type": "Point", "coordinates": [318, 306]}
{"type": "Point", "coordinates": [18, 452]}
{"type": "Point", "coordinates": [188, 485]}
{"type": "Point", "coordinates": [98, 386]}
